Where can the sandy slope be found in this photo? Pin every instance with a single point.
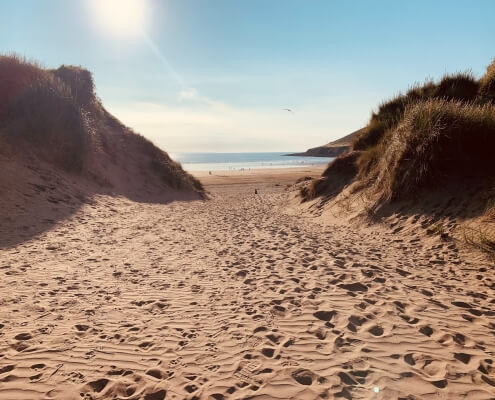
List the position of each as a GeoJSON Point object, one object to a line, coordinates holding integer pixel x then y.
{"type": "Point", "coordinates": [234, 298]}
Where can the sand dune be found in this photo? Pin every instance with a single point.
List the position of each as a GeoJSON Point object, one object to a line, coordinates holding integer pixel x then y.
{"type": "Point", "coordinates": [59, 147]}
{"type": "Point", "coordinates": [236, 298]}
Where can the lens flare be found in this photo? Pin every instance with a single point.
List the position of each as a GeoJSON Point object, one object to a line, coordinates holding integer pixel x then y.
{"type": "Point", "coordinates": [124, 18]}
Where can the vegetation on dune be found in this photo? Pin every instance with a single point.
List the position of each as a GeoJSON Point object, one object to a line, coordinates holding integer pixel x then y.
{"type": "Point", "coordinates": [80, 82]}
{"type": "Point", "coordinates": [461, 86]}
{"type": "Point", "coordinates": [435, 132]}
{"type": "Point", "coordinates": [338, 174]}
{"type": "Point", "coordinates": [38, 108]}
{"type": "Point", "coordinates": [56, 115]}
{"type": "Point", "coordinates": [487, 84]}
{"type": "Point", "coordinates": [435, 140]}
{"type": "Point", "coordinates": [169, 171]}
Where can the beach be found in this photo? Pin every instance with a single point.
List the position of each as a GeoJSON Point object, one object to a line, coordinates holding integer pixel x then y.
{"type": "Point", "coordinates": [234, 298]}
{"type": "Point", "coordinates": [262, 176]}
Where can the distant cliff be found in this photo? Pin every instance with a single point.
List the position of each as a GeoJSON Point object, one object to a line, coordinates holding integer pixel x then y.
{"type": "Point", "coordinates": [332, 149]}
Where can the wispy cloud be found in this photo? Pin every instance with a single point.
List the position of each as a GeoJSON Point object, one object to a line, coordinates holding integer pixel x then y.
{"type": "Point", "coordinates": [189, 94]}
{"type": "Point", "coordinates": [198, 123]}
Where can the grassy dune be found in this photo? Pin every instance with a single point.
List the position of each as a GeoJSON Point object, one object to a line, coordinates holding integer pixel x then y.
{"type": "Point", "coordinates": [55, 115]}
{"type": "Point", "coordinates": [435, 135]}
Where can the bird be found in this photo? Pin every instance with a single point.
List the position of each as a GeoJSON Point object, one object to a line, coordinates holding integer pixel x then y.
{"type": "Point", "coordinates": [288, 109]}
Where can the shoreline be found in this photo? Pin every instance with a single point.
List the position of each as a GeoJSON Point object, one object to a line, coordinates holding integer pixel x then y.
{"type": "Point", "coordinates": [259, 175]}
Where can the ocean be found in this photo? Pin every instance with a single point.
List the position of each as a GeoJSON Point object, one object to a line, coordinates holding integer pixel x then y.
{"type": "Point", "coordinates": [246, 161]}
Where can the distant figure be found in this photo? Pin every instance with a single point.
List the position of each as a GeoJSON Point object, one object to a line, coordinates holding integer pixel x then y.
{"type": "Point", "coordinates": [209, 172]}
{"type": "Point", "coordinates": [255, 191]}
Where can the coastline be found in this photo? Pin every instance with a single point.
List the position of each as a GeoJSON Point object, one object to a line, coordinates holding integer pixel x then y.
{"type": "Point", "coordinates": [282, 176]}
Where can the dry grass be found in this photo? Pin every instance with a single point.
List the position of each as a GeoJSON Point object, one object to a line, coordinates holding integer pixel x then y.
{"type": "Point", "coordinates": [487, 84]}
{"type": "Point", "coordinates": [481, 238]}
{"type": "Point", "coordinates": [436, 134]}
{"type": "Point", "coordinates": [56, 115]}
{"type": "Point", "coordinates": [39, 110]}
{"type": "Point", "coordinates": [80, 82]}
{"type": "Point", "coordinates": [461, 86]}
{"type": "Point", "coordinates": [17, 73]}
{"type": "Point", "coordinates": [170, 172]}
{"type": "Point", "coordinates": [339, 173]}
{"type": "Point", "coordinates": [436, 140]}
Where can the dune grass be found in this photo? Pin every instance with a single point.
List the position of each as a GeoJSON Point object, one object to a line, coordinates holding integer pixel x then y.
{"type": "Point", "coordinates": [79, 80]}
{"type": "Point", "coordinates": [170, 172]}
{"type": "Point", "coordinates": [38, 108]}
{"type": "Point", "coordinates": [461, 86]}
{"type": "Point", "coordinates": [436, 140]}
{"type": "Point", "coordinates": [339, 173]}
{"type": "Point", "coordinates": [434, 134]}
{"type": "Point", "coordinates": [487, 84]}
{"type": "Point", "coordinates": [56, 115]}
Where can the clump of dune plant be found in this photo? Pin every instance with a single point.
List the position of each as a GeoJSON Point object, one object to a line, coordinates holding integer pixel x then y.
{"type": "Point", "coordinates": [56, 115]}
{"type": "Point", "coordinates": [338, 174]}
{"type": "Point", "coordinates": [487, 83]}
{"type": "Point", "coordinates": [480, 237]}
{"type": "Point", "coordinates": [38, 108]}
{"type": "Point", "coordinates": [460, 86]}
{"type": "Point", "coordinates": [80, 82]}
{"type": "Point", "coordinates": [17, 73]}
{"type": "Point", "coordinates": [435, 140]}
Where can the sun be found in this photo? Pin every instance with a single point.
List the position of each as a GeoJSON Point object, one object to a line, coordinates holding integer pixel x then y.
{"type": "Point", "coordinates": [124, 18]}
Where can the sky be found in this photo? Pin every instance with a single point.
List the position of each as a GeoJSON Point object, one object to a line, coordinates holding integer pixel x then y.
{"type": "Point", "coordinates": [216, 75]}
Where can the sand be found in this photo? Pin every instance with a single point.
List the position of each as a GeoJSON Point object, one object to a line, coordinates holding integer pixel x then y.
{"type": "Point", "coordinates": [237, 298]}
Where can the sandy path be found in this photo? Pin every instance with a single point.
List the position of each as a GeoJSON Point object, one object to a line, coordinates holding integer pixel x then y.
{"type": "Point", "coordinates": [232, 299]}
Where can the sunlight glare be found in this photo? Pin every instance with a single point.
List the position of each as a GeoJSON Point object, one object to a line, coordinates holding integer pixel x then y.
{"type": "Point", "coordinates": [124, 18]}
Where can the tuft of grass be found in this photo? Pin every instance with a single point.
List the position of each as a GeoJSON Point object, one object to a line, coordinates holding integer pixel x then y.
{"type": "Point", "coordinates": [56, 115]}
{"type": "Point", "coordinates": [387, 117]}
{"type": "Point", "coordinates": [368, 159]}
{"type": "Point", "coordinates": [481, 238]}
{"type": "Point", "coordinates": [435, 229]}
{"type": "Point", "coordinates": [487, 83]}
{"type": "Point", "coordinates": [461, 86]}
{"type": "Point", "coordinates": [435, 140]}
{"type": "Point", "coordinates": [38, 108]}
{"type": "Point", "coordinates": [338, 174]}
{"type": "Point", "coordinates": [16, 73]}
{"type": "Point", "coordinates": [80, 82]}
{"type": "Point", "coordinates": [304, 179]}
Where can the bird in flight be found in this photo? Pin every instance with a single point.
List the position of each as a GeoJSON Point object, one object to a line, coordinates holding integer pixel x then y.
{"type": "Point", "coordinates": [288, 109]}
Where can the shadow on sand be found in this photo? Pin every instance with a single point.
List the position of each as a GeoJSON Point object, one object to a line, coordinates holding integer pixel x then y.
{"type": "Point", "coordinates": [33, 199]}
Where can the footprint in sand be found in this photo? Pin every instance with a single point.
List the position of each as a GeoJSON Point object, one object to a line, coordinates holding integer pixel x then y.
{"type": "Point", "coordinates": [376, 330]}
{"type": "Point", "coordinates": [304, 376]}
{"type": "Point", "coordinates": [325, 315]}
{"type": "Point", "coordinates": [158, 395]}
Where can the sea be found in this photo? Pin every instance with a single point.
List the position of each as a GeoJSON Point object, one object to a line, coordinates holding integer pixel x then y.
{"type": "Point", "coordinates": [244, 161]}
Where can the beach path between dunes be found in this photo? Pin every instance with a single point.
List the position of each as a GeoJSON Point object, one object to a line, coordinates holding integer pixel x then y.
{"type": "Point", "coordinates": [233, 298]}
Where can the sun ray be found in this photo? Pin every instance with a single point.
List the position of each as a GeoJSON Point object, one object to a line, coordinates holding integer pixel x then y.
{"type": "Point", "coordinates": [156, 51]}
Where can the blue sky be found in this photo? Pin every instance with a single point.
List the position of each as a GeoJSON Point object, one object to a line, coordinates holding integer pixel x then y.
{"type": "Point", "coordinates": [214, 75]}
